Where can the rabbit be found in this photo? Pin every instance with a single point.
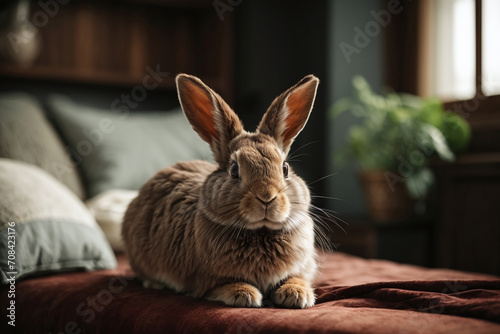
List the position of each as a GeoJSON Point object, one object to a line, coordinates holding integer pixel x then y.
{"type": "Point", "coordinates": [237, 231]}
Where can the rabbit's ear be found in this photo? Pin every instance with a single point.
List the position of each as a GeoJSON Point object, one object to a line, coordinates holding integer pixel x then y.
{"type": "Point", "coordinates": [289, 112]}
{"type": "Point", "coordinates": [209, 115]}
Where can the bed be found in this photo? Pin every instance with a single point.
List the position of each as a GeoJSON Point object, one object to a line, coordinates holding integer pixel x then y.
{"type": "Point", "coordinates": [73, 277]}
{"type": "Point", "coordinates": [354, 295]}
{"type": "Point", "coordinates": [70, 280]}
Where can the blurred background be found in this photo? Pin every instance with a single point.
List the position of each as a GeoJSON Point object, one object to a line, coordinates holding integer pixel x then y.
{"type": "Point", "coordinates": [436, 193]}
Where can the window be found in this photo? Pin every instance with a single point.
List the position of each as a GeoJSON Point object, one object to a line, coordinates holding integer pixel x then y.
{"type": "Point", "coordinates": [451, 44]}
{"type": "Point", "coordinates": [491, 47]}
{"type": "Point", "coordinates": [459, 57]}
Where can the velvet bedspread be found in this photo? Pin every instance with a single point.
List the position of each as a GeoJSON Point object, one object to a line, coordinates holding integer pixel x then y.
{"type": "Point", "coordinates": [354, 296]}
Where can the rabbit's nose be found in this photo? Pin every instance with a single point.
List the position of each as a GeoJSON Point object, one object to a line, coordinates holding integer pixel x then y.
{"type": "Point", "coordinates": [266, 201]}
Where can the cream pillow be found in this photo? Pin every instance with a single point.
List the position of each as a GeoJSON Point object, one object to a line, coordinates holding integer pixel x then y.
{"type": "Point", "coordinates": [45, 226]}
{"type": "Point", "coordinates": [108, 209]}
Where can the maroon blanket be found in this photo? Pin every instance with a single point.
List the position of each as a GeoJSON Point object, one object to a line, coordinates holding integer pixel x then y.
{"type": "Point", "coordinates": [354, 296]}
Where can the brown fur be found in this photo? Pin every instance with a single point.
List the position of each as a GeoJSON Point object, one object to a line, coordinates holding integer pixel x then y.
{"type": "Point", "coordinates": [196, 229]}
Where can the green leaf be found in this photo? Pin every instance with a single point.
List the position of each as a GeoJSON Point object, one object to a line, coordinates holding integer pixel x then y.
{"type": "Point", "coordinates": [342, 105]}
{"type": "Point", "coordinates": [438, 142]}
{"type": "Point", "coordinates": [410, 100]}
{"type": "Point", "coordinates": [399, 115]}
{"type": "Point", "coordinates": [360, 84]}
{"type": "Point", "coordinates": [457, 131]}
{"type": "Point", "coordinates": [419, 182]}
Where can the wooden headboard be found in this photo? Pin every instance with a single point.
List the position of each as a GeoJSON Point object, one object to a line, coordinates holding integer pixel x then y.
{"type": "Point", "coordinates": [117, 43]}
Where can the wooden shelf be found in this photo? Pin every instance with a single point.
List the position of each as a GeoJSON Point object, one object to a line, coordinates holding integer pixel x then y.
{"type": "Point", "coordinates": [176, 3]}
{"type": "Point", "coordinates": [104, 43]}
{"type": "Point", "coordinates": [73, 75]}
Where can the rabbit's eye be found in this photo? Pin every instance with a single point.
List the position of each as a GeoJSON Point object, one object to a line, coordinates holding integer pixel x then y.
{"type": "Point", "coordinates": [235, 170]}
{"type": "Point", "coordinates": [285, 169]}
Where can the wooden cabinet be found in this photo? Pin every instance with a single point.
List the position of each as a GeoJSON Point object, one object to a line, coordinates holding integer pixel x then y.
{"type": "Point", "coordinates": [468, 233]}
{"type": "Point", "coordinates": [402, 241]}
{"type": "Point", "coordinates": [464, 235]}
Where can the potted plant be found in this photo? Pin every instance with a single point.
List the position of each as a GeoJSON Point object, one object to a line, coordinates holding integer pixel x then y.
{"type": "Point", "coordinates": [397, 136]}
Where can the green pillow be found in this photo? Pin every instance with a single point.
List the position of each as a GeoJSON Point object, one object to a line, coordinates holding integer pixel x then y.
{"type": "Point", "coordinates": [122, 151]}
{"type": "Point", "coordinates": [26, 135]}
{"type": "Point", "coordinates": [44, 227]}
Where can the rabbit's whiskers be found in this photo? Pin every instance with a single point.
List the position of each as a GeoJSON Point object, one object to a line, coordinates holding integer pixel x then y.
{"type": "Point", "coordinates": [228, 232]}
{"type": "Point", "coordinates": [293, 155]}
{"type": "Point", "coordinates": [322, 178]}
{"type": "Point", "coordinates": [323, 219]}
{"type": "Point", "coordinates": [321, 230]}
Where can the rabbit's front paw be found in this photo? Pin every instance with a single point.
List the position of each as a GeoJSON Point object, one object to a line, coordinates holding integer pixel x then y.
{"type": "Point", "coordinates": [294, 293]}
{"type": "Point", "coordinates": [237, 295]}
{"type": "Point", "coordinates": [150, 284]}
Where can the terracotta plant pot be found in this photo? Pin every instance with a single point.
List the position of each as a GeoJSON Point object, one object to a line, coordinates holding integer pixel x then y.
{"type": "Point", "coordinates": [385, 204]}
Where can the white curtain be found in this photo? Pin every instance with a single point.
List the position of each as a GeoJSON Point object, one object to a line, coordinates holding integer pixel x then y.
{"type": "Point", "coordinates": [491, 47]}
{"type": "Point", "coordinates": [453, 49]}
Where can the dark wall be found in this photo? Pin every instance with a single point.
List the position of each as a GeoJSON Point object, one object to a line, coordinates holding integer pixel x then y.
{"type": "Point", "coordinates": [277, 43]}
{"type": "Point", "coordinates": [346, 16]}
